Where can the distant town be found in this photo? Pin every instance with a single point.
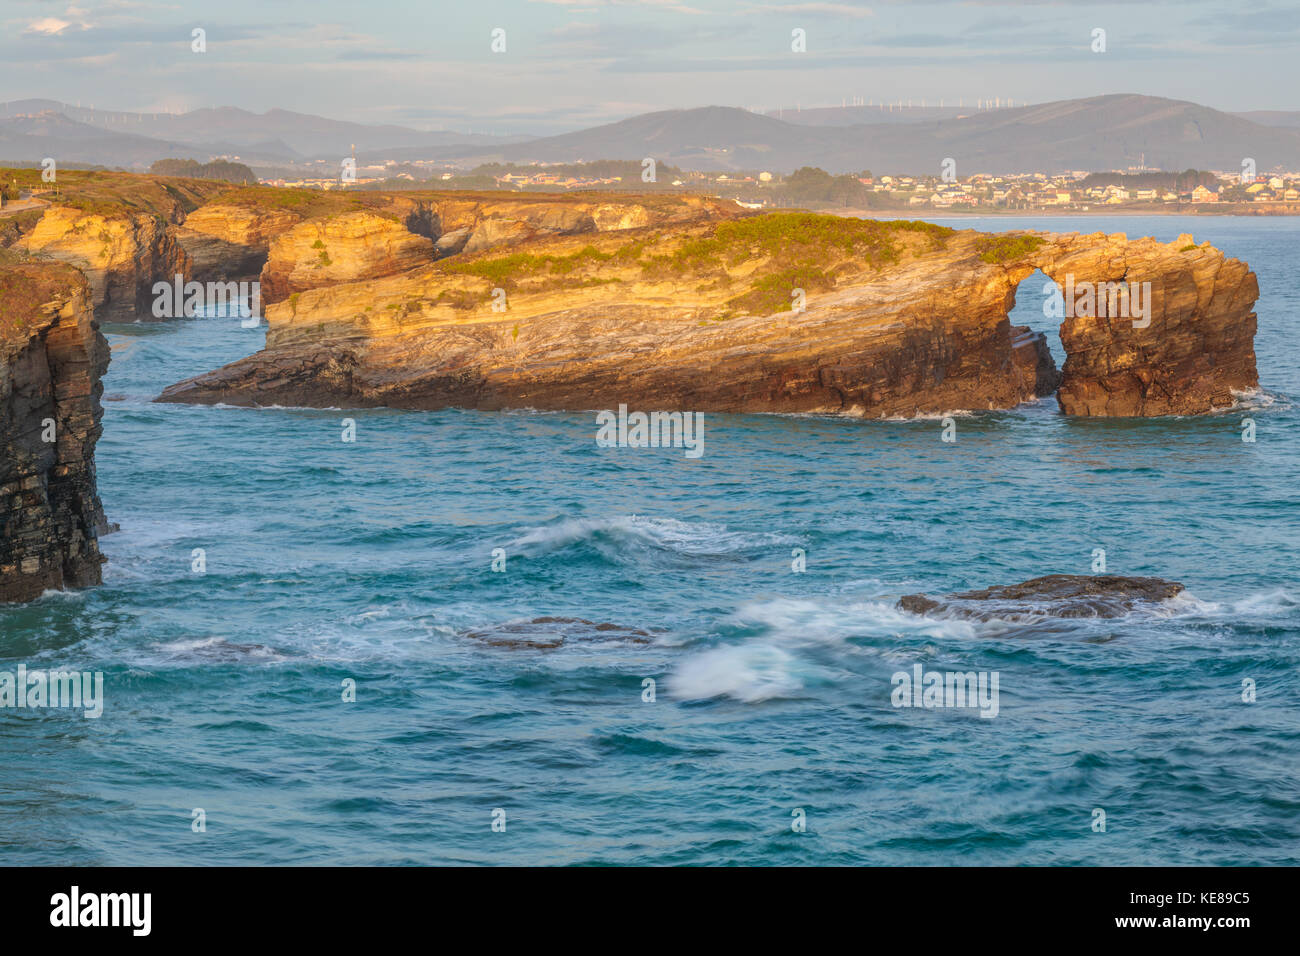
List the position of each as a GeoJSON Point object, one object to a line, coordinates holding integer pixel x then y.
{"type": "Point", "coordinates": [1134, 189]}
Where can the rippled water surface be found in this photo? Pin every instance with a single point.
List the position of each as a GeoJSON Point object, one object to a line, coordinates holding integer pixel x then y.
{"type": "Point", "coordinates": [372, 561]}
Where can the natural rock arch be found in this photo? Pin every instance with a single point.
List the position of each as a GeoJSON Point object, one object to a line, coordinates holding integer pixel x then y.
{"type": "Point", "coordinates": [924, 333]}
{"type": "Point", "coordinates": [1171, 328]}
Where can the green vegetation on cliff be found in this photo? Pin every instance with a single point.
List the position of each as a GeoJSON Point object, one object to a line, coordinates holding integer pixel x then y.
{"type": "Point", "coordinates": [25, 286]}
{"type": "Point", "coordinates": [114, 194]}
{"type": "Point", "coordinates": [1006, 248]}
{"type": "Point", "coordinates": [762, 257]}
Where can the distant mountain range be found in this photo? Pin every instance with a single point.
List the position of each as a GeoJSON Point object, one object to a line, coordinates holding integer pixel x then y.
{"type": "Point", "coordinates": [896, 113]}
{"type": "Point", "coordinates": [1099, 133]}
{"type": "Point", "coordinates": [115, 138]}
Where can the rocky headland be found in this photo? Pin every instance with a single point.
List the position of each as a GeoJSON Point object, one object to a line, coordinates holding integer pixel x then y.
{"type": "Point", "coordinates": [783, 312]}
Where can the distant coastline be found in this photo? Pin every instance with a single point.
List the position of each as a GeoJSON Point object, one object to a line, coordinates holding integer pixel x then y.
{"type": "Point", "coordinates": [1229, 210]}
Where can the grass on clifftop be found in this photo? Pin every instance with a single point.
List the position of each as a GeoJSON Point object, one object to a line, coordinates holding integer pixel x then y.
{"type": "Point", "coordinates": [787, 251]}
{"type": "Point", "coordinates": [18, 301]}
{"type": "Point", "coordinates": [111, 193]}
{"type": "Point", "coordinates": [309, 203]}
{"type": "Point", "coordinates": [998, 249]}
{"type": "Point", "coordinates": [24, 287]}
{"type": "Point", "coordinates": [505, 270]}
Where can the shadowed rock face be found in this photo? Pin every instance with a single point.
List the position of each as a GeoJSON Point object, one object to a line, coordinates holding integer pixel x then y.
{"type": "Point", "coordinates": [1055, 595]}
{"type": "Point", "coordinates": [900, 320]}
{"type": "Point", "coordinates": [230, 243]}
{"type": "Point", "coordinates": [548, 633]}
{"type": "Point", "coordinates": [51, 359]}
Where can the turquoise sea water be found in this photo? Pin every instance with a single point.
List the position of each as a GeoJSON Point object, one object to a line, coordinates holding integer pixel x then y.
{"type": "Point", "coordinates": [371, 560]}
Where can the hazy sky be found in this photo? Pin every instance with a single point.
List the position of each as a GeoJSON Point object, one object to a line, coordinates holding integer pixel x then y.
{"type": "Point", "coordinates": [574, 63]}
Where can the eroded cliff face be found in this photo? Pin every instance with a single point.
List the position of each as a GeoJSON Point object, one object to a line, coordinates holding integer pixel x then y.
{"type": "Point", "coordinates": [231, 243]}
{"type": "Point", "coordinates": [121, 254]}
{"type": "Point", "coordinates": [898, 320]}
{"type": "Point", "coordinates": [323, 252]}
{"type": "Point", "coordinates": [407, 232]}
{"type": "Point", "coordinates": [51, 359]}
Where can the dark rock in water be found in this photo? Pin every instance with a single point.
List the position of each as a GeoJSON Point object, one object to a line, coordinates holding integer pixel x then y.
{"type": "Point", "coordinates": [547, 633]}
{"type": "Point", "coordinates": [1054, 595]}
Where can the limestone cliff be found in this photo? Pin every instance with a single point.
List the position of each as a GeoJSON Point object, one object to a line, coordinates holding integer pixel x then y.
{"type": "Point", "coordinates": [322, 252]}
{"type": "Point", "coordinates": [227, 242]}
{"type": "Point", "coordinates": [693, 318]}
{"type": "Point", "coordinates": [51, 359]}
{"type": "Point", "coordinates": [121, 253]}
{"type": "Point", "coordinates": [889, 319]}
{"type": "Point", "coordinates": [406, 231]}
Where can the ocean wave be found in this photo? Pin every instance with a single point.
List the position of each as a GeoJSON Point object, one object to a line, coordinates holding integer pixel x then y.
{"type": "Point", "coordinates": [748, 673]}
{"type": "Point", "coordinates": [215, 649]}
{"type": "Point", "coordinates": [1276, 601]}
{"type": "Point", "coordinates": [66, 595]}
{"type": "Point", "coordinates": [933, 416]}
{"type": "Point", "coordinates": [834, 621]}
{"type": "Point", "coordinates": [668, 534]}
{"type": "Point", "coordinates": [771, 665]}
{"type": "Point", "coordinates": [1255, 400]}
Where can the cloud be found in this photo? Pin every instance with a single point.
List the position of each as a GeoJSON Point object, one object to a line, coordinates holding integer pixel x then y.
{"type": "Point", "coordinates": [73, 16]}
{"type": "Point", "coordinates": [674, 5]}
{"type": "Point", "coordinates": [48, 26]}
{"type": "Point", "coordinates": [815, 9]}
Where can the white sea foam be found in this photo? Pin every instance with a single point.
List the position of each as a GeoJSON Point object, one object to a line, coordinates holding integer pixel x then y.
{"type": "Point", "coordinates": [833, 621]}
{"type": "Point", "coordinates": [53, 594]}
{"type": "Point", "coordinates": [214, 649]}
{"type": "Point", "coordinates": [1255, 400]}
{"type": "Point", "coordinates": [770, 665]}
{"type": "Point", "coordinates": [749, 673]}
{"type": "Point", "coordinates": [1277, 601]}
{"type": "Point", "coordinates": [667, 533]}
{"type": "Point", "coordinates": [1180, 605]}
{"type": "Point", "coordinates": [932, 416]}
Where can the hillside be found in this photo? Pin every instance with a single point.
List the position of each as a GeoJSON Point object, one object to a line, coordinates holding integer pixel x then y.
{"type": "Point", "coordinates": [1105, 132]}
{"type": "Point", "coordinates": [134, 139]}
{"type": "Point", "coordinates": [1099, 133]}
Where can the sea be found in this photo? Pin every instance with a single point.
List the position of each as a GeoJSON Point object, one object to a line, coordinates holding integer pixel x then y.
{"type": "Point", "coordinates": [356, 637]}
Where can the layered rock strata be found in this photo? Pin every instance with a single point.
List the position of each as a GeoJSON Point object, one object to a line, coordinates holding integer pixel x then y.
{"type": "Point", "coordinates": [51, 359]}
{"type": "Point", "coordinates": [231, 243]}
{"type": "Point", "coordinates": [122, 254]}
{"type": "Point", "coordinates": [339, 249]}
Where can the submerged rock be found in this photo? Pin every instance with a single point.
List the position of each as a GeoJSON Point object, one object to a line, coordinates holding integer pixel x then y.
{"type": "Point", "coordinates": [1054, 595]}
{"type": "Point", "coordinates": [551, 632]}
